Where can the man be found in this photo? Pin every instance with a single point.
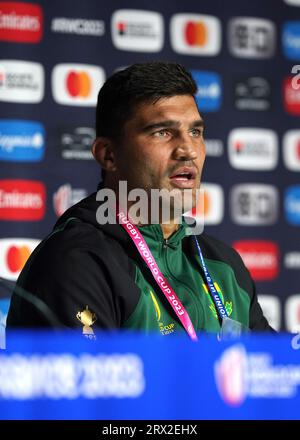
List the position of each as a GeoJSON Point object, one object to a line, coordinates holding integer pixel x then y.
{"type": "Point", "coordinates": [138, 274]}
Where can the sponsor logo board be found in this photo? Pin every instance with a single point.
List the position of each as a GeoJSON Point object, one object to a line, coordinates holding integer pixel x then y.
{"type": "Point", "coordinates": [195, 34]}
{"type": "Point", "coordinates": [76, 84]}
{"type": "Point", "coordinates": [21, 81]}
{"type": "Point", "coordinates": [137, 30]}
{"type": "Point", "coordinates": [21, 141]}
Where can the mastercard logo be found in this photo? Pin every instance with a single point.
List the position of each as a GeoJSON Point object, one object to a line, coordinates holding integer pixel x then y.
{"type": "Point", "coordinates": [14, 253]}
{"type": "Point", "coordinates": [78, 84]}
{"type": "Point", "coordinates": [16, 257]}
{"type": "Point", "coordinates": [212, 204]}
{"type": "Point", "coordinates": [196, 33]}
{"type": "Point", "coordinates": [203, 205]}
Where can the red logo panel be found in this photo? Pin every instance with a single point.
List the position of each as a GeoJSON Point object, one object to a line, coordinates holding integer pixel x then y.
{"type": "Point", "coordinates": [22, 200]}
{"type": "Point", "coordinates": [260, 257]}
{"type": "Point", "coordinates": [291, 97]}
{"type": "Point", "coordinates": [21, 22]}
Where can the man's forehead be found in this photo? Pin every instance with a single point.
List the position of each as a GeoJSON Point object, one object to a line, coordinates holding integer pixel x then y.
{"type": "Point", "coordinates": [173, 108]}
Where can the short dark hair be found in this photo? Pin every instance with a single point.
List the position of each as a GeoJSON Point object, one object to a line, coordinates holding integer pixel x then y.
{"type": "Point", "coordinates": [141, 82]}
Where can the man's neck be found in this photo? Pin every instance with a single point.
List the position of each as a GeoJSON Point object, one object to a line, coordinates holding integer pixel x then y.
{"type": "Point", "coordinates": [169, 229]}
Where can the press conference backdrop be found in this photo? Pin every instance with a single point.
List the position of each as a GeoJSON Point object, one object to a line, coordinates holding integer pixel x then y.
{"type": "Point", "coordinates": [54, 57]}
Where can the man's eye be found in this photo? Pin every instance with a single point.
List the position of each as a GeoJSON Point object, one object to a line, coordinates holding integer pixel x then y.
{"type": "Point", "coordinates": [196, 132]}
{"type": "Point", "coordinates": [161, 133]}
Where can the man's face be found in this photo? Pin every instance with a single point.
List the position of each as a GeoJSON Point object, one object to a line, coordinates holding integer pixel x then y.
{"type": "Point", "coordinates": [162, 147]}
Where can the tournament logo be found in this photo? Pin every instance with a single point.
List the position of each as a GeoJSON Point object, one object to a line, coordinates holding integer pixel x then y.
{"type": "Point", "coordinates": [87, 319]}
{"type": "Point", "coordinates": [21, 22]}
{"type": "Point", "coordinates": [21, 141]}
{"type": "Point", "coordinates": [240, 375]}
{"type": "Point", "coordinates": [195, 34]}
{"type": "Point", "coordinates": [22, 200]}
{"type": "Point", "coordinates": [65, 197]}
{"type": "Point", "coordinates": [76, 84]}
{"type": "Point", "coordinates": [209, 90]}
{"type": "Point", "coordinates": [231, 375]}
{"type": "Point", "coordinates": [137, 30]}
{"type": "Point", "coordinates": [164, 329]}
{"type": "Point", "coordinates": [251, 37]}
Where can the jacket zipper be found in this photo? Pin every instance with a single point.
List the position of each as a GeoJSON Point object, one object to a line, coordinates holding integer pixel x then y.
{"type": "Point", "coordinates": [169, 274]}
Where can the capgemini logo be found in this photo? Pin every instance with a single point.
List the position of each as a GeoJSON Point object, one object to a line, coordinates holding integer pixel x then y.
{"type": "Point", "coordinates": [231, 375]}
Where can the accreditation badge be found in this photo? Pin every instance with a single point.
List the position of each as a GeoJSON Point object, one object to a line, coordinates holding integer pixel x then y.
{"type": "Point", "coordinates": [231, 329]}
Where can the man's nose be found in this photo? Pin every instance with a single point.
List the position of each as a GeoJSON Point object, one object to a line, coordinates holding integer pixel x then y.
{"type": "Point", "coordinates": [186, 148]}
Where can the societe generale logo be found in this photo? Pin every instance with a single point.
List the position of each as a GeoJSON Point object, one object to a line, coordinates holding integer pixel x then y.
{"type": "Point", "coordinates": [21, 22]}
{"type": "Point", "coordinates": [291, 97]}
{"type": "Point", "coordinates": [14, 252]}
{"type": "Point", "coordinates": [195, 34]}
{"type": "Point", "coordinates": [271, 307]}
{"type": "Point", "coordinates": [21, 81]}
{"type": "Point", "coordinates": [137, 30]}
{"type": "Point", "coordinates": [22, 200]}
{"type": "Point", "coordinates": [253, 149]}
{"type": "Point", "coordinates": [292, 313]}
{"type": "Point", "coordinates": [76, 84]}
{"type": "Point", "coordinates": [261, 258]}
{"type": "Point", "coordinates": [291, 150]}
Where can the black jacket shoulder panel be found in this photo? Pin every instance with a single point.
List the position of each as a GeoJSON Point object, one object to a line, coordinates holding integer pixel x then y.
{"type": "Point", "coordinates": [77, 266]}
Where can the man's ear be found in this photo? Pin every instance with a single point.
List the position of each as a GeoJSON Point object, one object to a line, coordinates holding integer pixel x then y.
{"type": "Point", "coordinates": [103, 152]}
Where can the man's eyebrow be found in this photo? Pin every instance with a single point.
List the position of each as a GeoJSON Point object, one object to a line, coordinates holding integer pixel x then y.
{"type": "Point", "coordinates": [161, 124]}
{"type": "Point", "coordinates": [198, 123]}
{"type": "Point", "coordinates": [170, 124]}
